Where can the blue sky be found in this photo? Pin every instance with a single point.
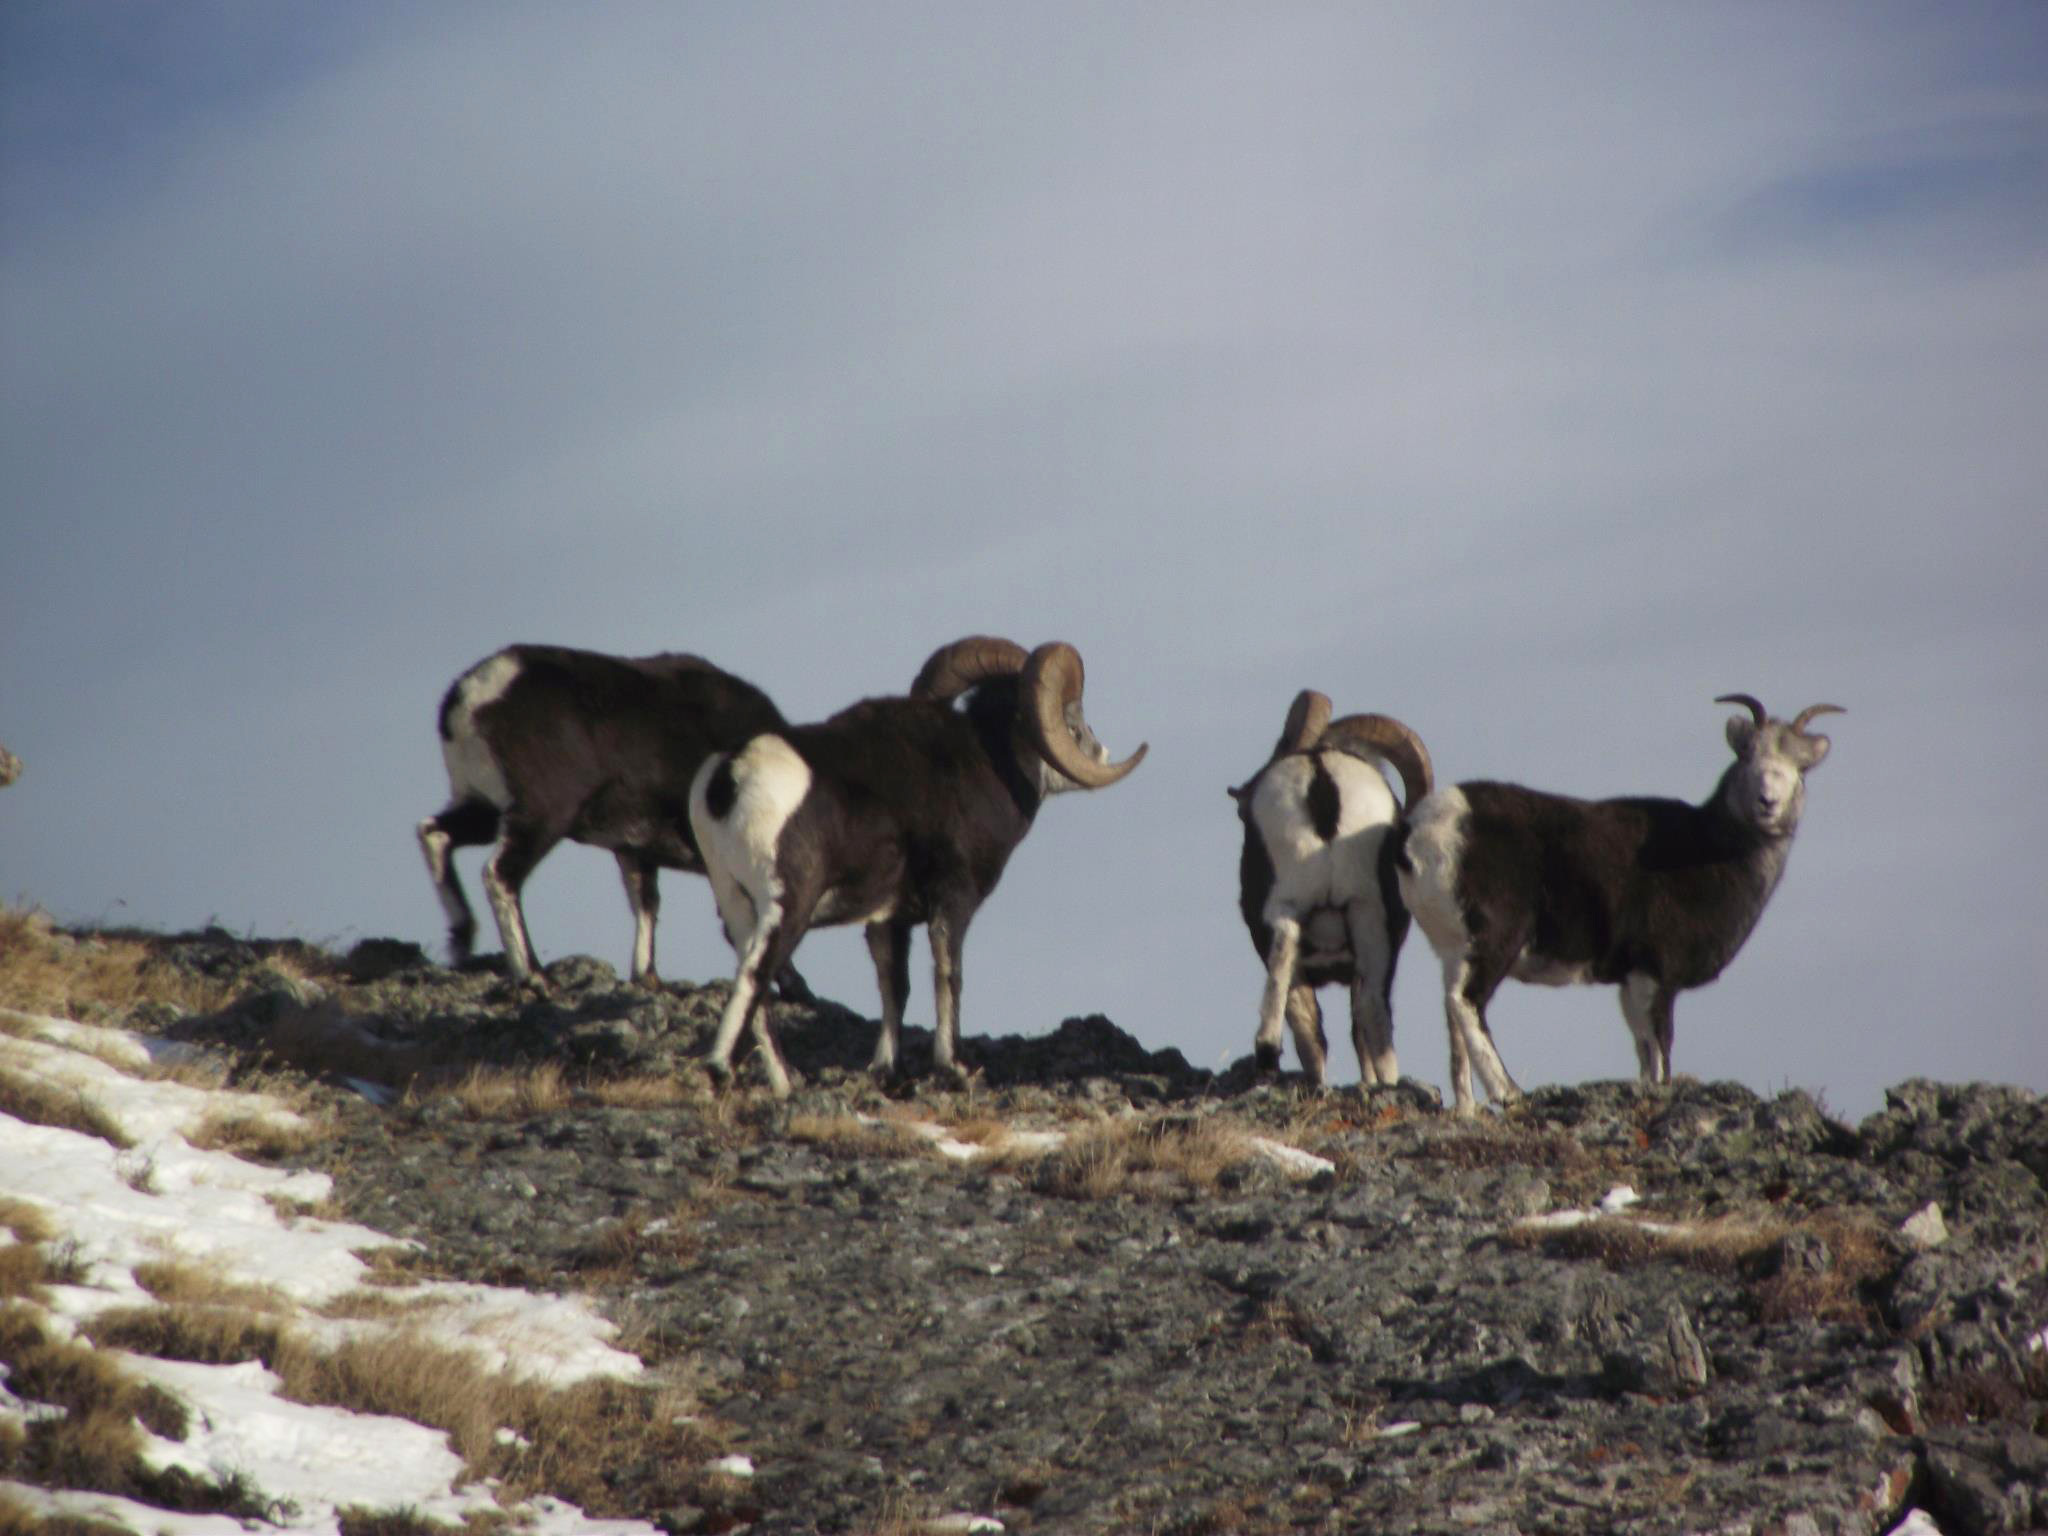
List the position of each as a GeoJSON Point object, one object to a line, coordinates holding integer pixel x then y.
{"type": "Point", "coordinates": [1533, 374]}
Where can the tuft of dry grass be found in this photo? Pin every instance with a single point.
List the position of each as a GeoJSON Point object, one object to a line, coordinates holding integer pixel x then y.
{"type": "Point", "coordinates": [1861, 1253]}
{"type": "Point", "coordinates": [497, 1093]}
{"type": "Point", "coordinates": [176, 1283]}
{"type": "Point", "coordinates": [96, 1440]}
{"type": "Point", "coordinates": [38, 1101]}
{"type": "Point", "coordinates": [29, 1223]}
{"type": "Point", "coordinates": [43, 971]}
{"type": "Point", "coordinates": [562, 1441]}
{"type": "Point", "coordinates": [261, 1134]}
{"type": "Point", "coordinates": [649, 1091]}
{"type": "Point", "coordinates": [1748, 1247]}
{"type": "Point", "coordinates": [1149, 1157]}
{"type": "Point", "coordinates": [847, 1135]}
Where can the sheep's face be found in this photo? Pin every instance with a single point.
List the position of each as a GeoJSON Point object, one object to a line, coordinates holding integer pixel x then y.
{"type": "Point", "coordinates": [1050, 780]}
{"type": "Point", "coordinates": [1767, 786]}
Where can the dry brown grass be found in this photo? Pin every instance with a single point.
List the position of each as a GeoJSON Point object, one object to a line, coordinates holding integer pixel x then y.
{"type": "Point", "coordinates": [497, 1093]}
{"type": "Point", "coordinates": [96, 1441]}
{"type": "Point", "coordinates": [262, 1134]}
{"type": "Point", "coordinates": [42, 972]}
{"type": "Point", "coordinates": [1149, 1157]}
{"type": "Point", "coordinates": [564, 1440]}
{"type": "Point", "coordinates": [1860, 1252]}
{"type": "Point", "coordinates": [17, 1519]}
{"type": "Point", "coordinates": [39, 1102]}
{"type": "Point", "coordinates": [846, 1135]}
{"type": "Point", "coordinates": [29, 1223]}
{"type": "Point", "coordinates": [650, 1091]}
{"type": "Point", "coordinates": [198, 1285]}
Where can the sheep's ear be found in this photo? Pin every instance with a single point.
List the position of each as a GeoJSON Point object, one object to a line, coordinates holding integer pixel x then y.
{"type": "Point", "coordinates": [1808, 750]}
{"type": "Point", "coordinates": [1740, 733]}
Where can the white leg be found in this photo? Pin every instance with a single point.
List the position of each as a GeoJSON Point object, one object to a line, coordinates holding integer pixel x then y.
{"type": "Point", "coordinates": [511, 921]}
{"type": "Point", "coordinates": [947, 939]}
{"type": "Point", "coordinates": [1282, 950]}
{"type": "Point", "coordinates": [1647, 1008]}
{"type": "Point", "coordinates": [889, 947]}
{"type": "Point", "coordinates": [644, 898]}
{"type": "Point", "coordinates": [1471, 1045]}
{"type": "Point", "coordinates": [1305, 1019]}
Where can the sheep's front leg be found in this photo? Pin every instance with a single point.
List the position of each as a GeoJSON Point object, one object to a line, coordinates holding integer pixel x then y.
{"type": "Point", "coordinates": [523, 845]}
{"type": "Point", "coordinates": [1646, 1004]}
{"type": "Point", "coordinates": [1466, 990]}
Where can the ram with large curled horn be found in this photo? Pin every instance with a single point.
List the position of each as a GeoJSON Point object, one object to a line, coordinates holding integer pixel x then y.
{"type": "Point", "coordinates": [1315, 881]}
{"type": "Point", "coordinates": [895, 812]}
{"type": "Point", "coordinates": [1651, 895]}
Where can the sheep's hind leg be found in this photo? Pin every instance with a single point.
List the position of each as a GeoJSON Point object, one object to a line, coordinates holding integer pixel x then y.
{"type": "Point", "coordinates": [1372, 984]}
{"type": "Point", "coordinates": [889, 947]}
{"type": "Point", "coordinates": [746, 1008]}
{"type": "Point", "coordinates": [1276, 1008]}
{"type": "Point", "coordinates": [643, 895]}
{"type": "Point", "coordinates": [1305, 1020]}
{"type": "Point", "coordinates": [463, 824]}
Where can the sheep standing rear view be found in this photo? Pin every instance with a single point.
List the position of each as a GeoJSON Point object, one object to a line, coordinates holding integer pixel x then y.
{"type": "Point", "coordinates": [1316, 879]}
{"type": "Point", "coordinates": [544, 743]}
{"type": "Point", "coordinates": [1653, 895]}
{"type": "Point", "coordinates": [894, 812]}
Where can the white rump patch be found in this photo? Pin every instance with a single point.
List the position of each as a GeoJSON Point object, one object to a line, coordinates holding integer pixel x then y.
{"type": "Point", "coordinates": [472, 770]}
{"type": "Point", "coordinates": [769, 782]}
{"type": "Point", "coordinates": [1436, 844]}
{"type": "Point", "coordinates": [1307, 871]}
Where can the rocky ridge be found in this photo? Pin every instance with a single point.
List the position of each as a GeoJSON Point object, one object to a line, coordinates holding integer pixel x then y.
{"type": "Point", "coordinates": [1787, 1324]}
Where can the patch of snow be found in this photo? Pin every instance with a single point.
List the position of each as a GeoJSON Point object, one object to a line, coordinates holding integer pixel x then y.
{"type": "Point", "coordinates": [126, 1514]}
{"type": "Point", "coordinates": [1303, 1165]}
{"type": "Point", "coordinates": [314, 1457]}
{"type": "Point", "coordinates": [166, 1199]}
{"type": "Point", "coordinates": [1038, 1143]}
{"type": "Point", "coordinates": [1398, 1428]}
{"type": "Point", "coordinates": [960, 1524]}
{"type": "Point", "coordinates": [732, 1466]}
{"type": "Point", "coordinates": [1618, 1199]}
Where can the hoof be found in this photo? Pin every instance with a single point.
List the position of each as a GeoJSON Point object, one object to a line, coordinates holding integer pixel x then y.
{"type": "Point", "coordinates": [720, 1073]}
{"type": "Point", "coordinates": [1266, 1058]}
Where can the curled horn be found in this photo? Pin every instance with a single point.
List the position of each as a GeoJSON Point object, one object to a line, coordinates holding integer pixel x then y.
{"type": "Point", "coordinates": [1052, 681]}
{"type": "Point", "coordinates": [1384, 736]}
{"type": "Point", "coordinates": [1756, 710]}
{"type": "Point", "coordinates": [953, 669]}
{"type": "Point", "coordinates": [1307, 719]}
{"type": "Point", "coordinates": [1810, 711]}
